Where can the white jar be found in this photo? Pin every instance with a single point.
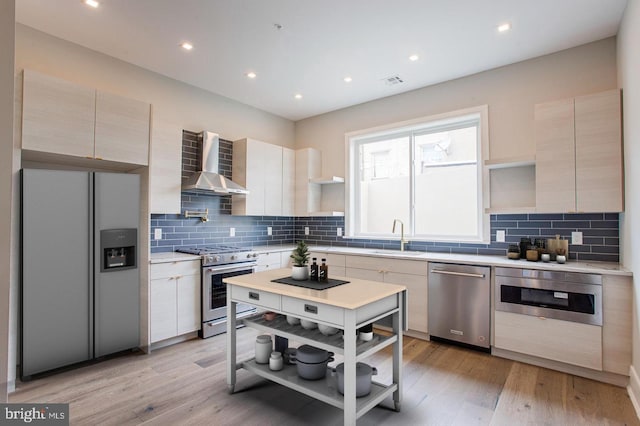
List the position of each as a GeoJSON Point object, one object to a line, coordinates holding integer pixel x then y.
{"type": "Point", "coordinates": [275, 361]}
{"type": "Point", "coordinates": [264, 346]}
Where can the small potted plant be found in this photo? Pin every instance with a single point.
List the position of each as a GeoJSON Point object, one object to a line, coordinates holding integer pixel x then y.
{"type": "Point", "coordinates": [300, 256]}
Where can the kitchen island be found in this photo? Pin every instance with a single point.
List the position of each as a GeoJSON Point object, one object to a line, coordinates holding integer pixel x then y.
{"type": "Point", "coordinates": [348, 307]}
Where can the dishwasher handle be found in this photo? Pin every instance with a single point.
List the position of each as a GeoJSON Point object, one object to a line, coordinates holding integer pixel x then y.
{"type": "Point", "coordinates": [459, 274]}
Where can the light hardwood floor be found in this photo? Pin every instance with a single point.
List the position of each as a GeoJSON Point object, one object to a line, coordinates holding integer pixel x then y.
{"type": "Point", "coordinates": [443, 385]}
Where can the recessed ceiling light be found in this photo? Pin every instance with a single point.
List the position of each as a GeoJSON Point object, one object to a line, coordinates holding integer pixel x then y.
{"type": "Point", "coordinates": [251, 74]}
{"type": "Point", "coordinates": [297, 96]}
{"type": "Point", "coordinates": [92, 3]}
{"type": "Point", "coordinates": [348, 79]}
{"type": "Point", "coordinates": [504, 27]}
{"type": "Point", "coordinates": [186, 45]}
{"type": "Point", "coordinates": [414, 58]}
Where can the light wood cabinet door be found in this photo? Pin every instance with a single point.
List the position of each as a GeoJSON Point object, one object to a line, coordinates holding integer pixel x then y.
{"type": "Point", "coordinates": [122, 129]}
{"type": "Point", "coordinates": [564, 341]}
{"type": "Point", "coordinates": [57, 116]}
{"type": "Point", "coordinates": [555, 157]}
{"type": "Point", "coordinates": [188, 291]}
{"type": "Point", "coordinates": [162, 315]}
{"type": "Point", "coordinates": [416, 298]}
{"type": "Point", "coordinates": [617, 320]}
{"type": "Point", "coordinates": [165, 168]}
{"type": "Point", "coordinates": [364, 274]}
{"type": "Point", "coordinates": [599, 172]}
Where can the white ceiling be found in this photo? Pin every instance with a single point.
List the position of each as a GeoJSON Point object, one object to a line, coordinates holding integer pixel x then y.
{"type": "Point", "coordinates": [321, 41]}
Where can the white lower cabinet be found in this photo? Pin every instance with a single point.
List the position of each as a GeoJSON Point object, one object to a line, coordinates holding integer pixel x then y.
{"type": "Point", "coordinates": [269, 260]}
{"type": "Point", "coordinates": [563, 341]}
{"type": "Point", "coordinates": [175, 299]}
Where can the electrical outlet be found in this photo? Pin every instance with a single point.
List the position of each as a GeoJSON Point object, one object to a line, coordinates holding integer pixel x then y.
{"type": "Point", "coordinates": [269, 230]}
{"type": "Point", "coordinates": [157, 234]}
{"type": "Point", "coordinates": [576, 238]}
{"type": "Point", "coordinates": [500, 236]}
{"type": "Point", "coordinates": [339, 232]}
{"type": "Point", "coordinates": [232, 232]}
{"type": "Point", "coordinates": [306, 230]}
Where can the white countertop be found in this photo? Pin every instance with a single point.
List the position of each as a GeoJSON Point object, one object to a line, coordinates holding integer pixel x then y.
{"type": "Point", "coordinates": [606, 268]}
{"type": "Point", "coordinates": [571, 266]}
{"type": "Point", "coordinates": [173, 256]}
{"type": "Point", "coordinates": [353, 295]}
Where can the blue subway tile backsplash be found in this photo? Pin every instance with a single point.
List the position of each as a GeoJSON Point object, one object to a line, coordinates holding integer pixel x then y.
{"type": "Point", "coordinates": [600, 231]}
{"type": "Point", "coordinates": [600, 238]}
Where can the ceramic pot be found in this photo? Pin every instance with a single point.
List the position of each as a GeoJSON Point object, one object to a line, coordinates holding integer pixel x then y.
{"type": "Point", "coordinates": [311, 362]}
{"type": "Point", "coordinates": [300, 273]}
{"type": "Point", "coordinates": [363, 378]}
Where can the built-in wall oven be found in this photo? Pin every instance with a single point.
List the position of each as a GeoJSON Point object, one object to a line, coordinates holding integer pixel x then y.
{"type": "Point", "coordinates": [218, 263]}
{"type": "Point", "coordinates": [569, 296]}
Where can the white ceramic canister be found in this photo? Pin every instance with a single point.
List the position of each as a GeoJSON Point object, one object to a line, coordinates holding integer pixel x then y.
{"type": "Point", "coordinates": [275, 361]}
{"type": "Point", "coordinates": [264, 347]}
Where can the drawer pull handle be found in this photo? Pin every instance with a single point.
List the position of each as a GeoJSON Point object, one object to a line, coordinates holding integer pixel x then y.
{"type": "Point", "coordinates": [253, 295]}
{"type": "Point", "coordinates": [311, 309]}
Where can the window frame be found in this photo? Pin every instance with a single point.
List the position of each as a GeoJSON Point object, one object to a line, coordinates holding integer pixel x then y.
{"type": "Point", "coordinates": [433, 122]}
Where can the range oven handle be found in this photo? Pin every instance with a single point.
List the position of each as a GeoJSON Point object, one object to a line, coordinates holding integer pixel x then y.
{"type": "Point", "coordinates": [460, 274]}
{"type": "Point", "coordinates": [231, 268]}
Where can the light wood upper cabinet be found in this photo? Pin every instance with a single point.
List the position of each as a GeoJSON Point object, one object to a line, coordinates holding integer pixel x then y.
{"type": "Point", "coordinates": [165, 167]}
{"type": "Point", "coordinates": [555, 157]}
{"type": "Point", "coordinates": [61, 117]}
{"type": "Point", "coordinates": [599, 172]}
{"type": "Point", "coordinates": [57, 116]}
{"type": "Point", "coordinates": [122, 129]}
{"type": "Point", "coordinates": [265, 170]}
{"type": "Point", "coordinates": [579, 154]}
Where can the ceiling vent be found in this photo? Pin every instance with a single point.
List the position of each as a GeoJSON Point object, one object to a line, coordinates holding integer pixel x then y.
{"type": "Point", "coordinates": [393, 80]}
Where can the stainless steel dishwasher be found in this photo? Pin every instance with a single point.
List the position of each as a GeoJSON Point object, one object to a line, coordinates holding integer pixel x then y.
{"type": "Point", "coordinates": [460, 303]}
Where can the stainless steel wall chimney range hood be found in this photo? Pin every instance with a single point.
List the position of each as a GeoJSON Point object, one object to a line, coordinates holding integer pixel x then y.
{"type": "Point", "coordinates": [208, 180]}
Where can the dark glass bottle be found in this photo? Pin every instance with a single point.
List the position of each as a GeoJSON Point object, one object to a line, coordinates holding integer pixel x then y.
{"type": "Point", "coordinates": [323, 271]}
{"type": "Point", "coordinates": [314, 270]}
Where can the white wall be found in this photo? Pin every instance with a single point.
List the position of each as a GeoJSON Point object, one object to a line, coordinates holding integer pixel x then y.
{"type": "Point", "coordinates": [629, 81]}
{"type": "Point", "coordinates": [192, 108]}
{"type": "Point", "coordinates": [7, 45]}
{"type": "Point", "coordinates": [510, 92]}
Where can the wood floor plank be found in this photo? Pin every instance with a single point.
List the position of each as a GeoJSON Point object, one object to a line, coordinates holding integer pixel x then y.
{"type": "Point", "coordinates": [185, 384]}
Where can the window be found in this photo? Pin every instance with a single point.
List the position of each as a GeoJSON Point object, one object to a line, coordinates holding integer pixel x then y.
{"type": "Point", "coordinates": [428, 173]}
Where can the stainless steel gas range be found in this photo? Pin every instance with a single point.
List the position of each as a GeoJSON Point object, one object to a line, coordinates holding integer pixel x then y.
{"type": "Point", "coordinates": [218, 263]}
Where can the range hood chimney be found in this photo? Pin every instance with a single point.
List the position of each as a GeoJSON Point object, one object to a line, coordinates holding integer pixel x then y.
{"type": "Point", "coordinates": [208, 180]}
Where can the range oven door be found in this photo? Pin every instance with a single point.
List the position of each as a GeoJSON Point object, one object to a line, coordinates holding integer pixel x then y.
{"type": "Point", "coordinates": [214, 297]}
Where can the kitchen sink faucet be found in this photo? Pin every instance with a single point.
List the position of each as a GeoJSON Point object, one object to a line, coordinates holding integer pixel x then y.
{"type": "Point", "coordinates": [402, 240]}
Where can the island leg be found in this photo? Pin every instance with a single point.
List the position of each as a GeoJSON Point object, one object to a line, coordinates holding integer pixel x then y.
{"type": "Point", "coordinates": [350, 367]}
{"type": "Point", "coordinates": [231, 343]}
{"type": "Point", "coordinates": [398, 320]}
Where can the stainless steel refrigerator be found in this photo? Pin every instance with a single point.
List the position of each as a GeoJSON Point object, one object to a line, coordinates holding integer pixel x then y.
{"type": "Point", "coordinates": [80, 277]}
